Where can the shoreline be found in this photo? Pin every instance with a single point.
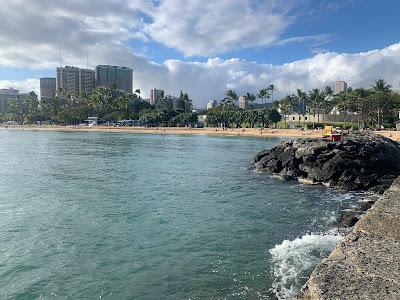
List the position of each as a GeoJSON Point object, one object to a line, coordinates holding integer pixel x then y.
{"type": "Point", "coordinates": [245, 132]}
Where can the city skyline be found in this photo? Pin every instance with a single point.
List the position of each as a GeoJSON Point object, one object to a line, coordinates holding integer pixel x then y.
{"type": "Point", "coordinates": [267, 42]}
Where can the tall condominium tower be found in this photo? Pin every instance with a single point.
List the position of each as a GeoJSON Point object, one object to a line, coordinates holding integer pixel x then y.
{"type": "Point", "coordinates": [155, 95]}
{"type": "Point", "coordinates": [340, 86]}
{"type": "Point", "coordinates": [72, 81]}
{"type": "Point", "coordinates": [6, 96]}
{"type": "Point", "coordinates": [47, 87]}
{"type": "Point", "coordinates": [242, 102]}
{"type": "Point", "coordinates": [87, 80]}
{"type": "Point", "coordinates": [120, 77]}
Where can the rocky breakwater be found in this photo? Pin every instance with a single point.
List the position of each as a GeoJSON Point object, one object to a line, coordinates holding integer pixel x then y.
{"type": "Point", "coordinates": [363, 161]}
{"type": "Point", "coordinates": [366, 264]}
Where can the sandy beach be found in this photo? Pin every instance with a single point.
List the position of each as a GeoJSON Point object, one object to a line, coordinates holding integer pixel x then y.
{"type": "Point", "coordinates": [249, 132]}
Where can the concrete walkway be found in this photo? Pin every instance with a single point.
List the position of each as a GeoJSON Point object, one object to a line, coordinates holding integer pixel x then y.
{"type": "Point", "coordinates": [366, 264]}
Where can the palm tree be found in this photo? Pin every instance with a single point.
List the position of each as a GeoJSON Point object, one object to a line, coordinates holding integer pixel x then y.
{"type": "Point", "coordinates": [328, 91]}
{"type": "Point", "coordinates": [187, 102]}
{"type": "Point", "coordinates": [250, 97]}
{"type": "Point", "coordinates": [271, 88]}
{"type": "Point", "coordinates": [381, 86]}
{"type": "Point", "coordinates": [285, 103]}
{"type": "Point", "coordinates": [316, 98]}
{"type": "Point", "coordinates": [231, 97]}
{"type": "Point", "coordinates": [263, 94]}
{"type": "Point", "coordinates": [356, 102]}
{"type": "Point", "coordinates": [342, 100]}
{"type": "Point", "coordinates": [301, 97]}
{"type": "Point", "coordinates": [137, 92]}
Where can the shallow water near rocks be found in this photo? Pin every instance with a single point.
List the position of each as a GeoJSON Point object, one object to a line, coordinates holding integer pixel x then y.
{"type": "Point", "coordinates": [129, 216]}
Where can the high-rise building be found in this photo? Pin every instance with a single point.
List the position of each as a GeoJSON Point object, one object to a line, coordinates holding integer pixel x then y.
{"type": "Point", "coordinates": [72, 81]}
{"type": "Point", "coordinates": [175, 102]}
{"type": "Point", "coordinates": [120, 77]}
{"type": "Point", "coordinates": [7, 95]}
{"type": "Point", "coordinates": [340, 86]}
{"type": "Point", "coordinates": [155, 95]}
{"type": "Point", "coordinates": [47, 87]}
{"type": "Point", "coordinates": [67, 82]}
{"type": "Point", "coordinates": [242, 102]}
{"type": "Point", "coordinates": [211, 104]}
{"type": "Point", "coordinates": [87, 80]}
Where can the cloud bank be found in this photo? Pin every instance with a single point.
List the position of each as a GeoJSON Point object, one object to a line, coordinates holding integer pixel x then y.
{"type": "Point", "coordinates": [209, 80]}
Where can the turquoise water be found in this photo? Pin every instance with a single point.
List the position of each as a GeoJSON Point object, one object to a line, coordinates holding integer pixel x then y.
{"type": "Point", "coordinates": [126, 216]}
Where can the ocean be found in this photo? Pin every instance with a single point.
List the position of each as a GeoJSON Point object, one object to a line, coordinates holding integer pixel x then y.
{"type": "Point", "coordinates": [135, 216]}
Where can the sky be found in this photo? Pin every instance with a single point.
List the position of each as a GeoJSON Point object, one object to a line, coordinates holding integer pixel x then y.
{"type": "Point", "coordinates": [204, 47]}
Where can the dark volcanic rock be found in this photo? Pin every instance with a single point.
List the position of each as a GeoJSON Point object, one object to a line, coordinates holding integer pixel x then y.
{"type": "Point", "coordinates": [364, 161]}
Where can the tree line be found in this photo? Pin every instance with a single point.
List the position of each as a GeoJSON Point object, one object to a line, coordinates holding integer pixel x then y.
{"type": "Point", "coordinates": [106, 103]}
{"type": "Point", "coordinates": [231, 116]}
{"type": "Point", "coordinates": [376, 106]}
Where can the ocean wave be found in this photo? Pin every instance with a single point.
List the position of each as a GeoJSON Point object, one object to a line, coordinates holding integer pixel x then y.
{"type": "Point", "coordinates": [293, 261]}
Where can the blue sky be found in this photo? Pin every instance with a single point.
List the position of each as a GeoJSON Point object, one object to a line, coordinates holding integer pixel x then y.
{"type": "Point", "coordinates": [147, 35]}
{"type": "Point", "coordinates": [349, 26]}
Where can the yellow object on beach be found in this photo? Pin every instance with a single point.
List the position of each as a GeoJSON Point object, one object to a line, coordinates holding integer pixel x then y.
{"type": "Point", "coordinates": [327, 131]}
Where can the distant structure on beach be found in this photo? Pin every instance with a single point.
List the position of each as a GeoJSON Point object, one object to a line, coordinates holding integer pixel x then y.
{"type": "Point", "coordinates": [72, 80]}
{"type": "Point", "coordinates": [47, 87]}
{"type": "Point", "coordinates": [242, 102]}
{"type": "Point", "coordinates": [7, 95]}
{"type": "Point", "coordinates": [211, 104]}
{"type": "Point", "coordinates": [10, 95]}
{"type": "Point", "coordinates": [120, 77]}
{"type": "Point", "coordinates": [175, 102]}
{"type": "Point", "coordinates": [156, 95]}
{"type": "Point", "coordinates": [340, 86]}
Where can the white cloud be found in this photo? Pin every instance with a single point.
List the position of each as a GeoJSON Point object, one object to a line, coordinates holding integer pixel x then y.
{"type": "Point", "coordinates": [31, 32]}
{"type": "Point", "coordinates": [210, 80]}
{"type": "Point", "coordinates": [206, 28]}
{"type": "Point", "coordinates": [24, 86]}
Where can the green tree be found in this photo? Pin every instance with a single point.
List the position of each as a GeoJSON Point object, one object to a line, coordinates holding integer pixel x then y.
{"type": "Point", "coordinates": [328, 91]}
{"type": "Point", "coordinates": [317, 99]}
{"type": "Point", "coordinates": [273, 116]}
{"type": "Point", "coordinates": [250, 98]}
{"type": "Point", "coordinates": [231, 97]}
{"type": "Point", "coordinates": [137, 92]}
{"type": "Point", "coordinates": [381, 86]}
{"type": "Point", "coordinates": [286, 105]}
{"type": "Point", "coordinates": [301, 98]}
{"type": "Point", "coordinates": [264, 94]}
{"type": "Point", "coordinates": [271, 88]}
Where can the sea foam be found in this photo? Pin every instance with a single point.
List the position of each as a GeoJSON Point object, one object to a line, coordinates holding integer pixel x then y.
{"type": "Point", "coordinates": [293, 261]}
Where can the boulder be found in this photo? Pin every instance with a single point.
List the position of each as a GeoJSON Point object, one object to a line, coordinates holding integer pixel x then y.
{"type": "Point", "coordinates": [362, 161]}
{"type": "Point", "coordinates": [348, 219]}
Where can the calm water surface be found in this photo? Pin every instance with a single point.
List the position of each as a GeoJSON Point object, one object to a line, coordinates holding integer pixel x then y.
{"type": "Point", "coordinates": [127, 216]}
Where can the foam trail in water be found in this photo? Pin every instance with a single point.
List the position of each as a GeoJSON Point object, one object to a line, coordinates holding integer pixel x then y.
{"type": "Point", "coordinates": [293, 261]}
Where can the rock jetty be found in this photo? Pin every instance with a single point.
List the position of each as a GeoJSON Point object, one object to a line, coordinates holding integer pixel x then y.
{"type": "Point", "coordinates": [366, 264]}
{"type": "Point", "coordinates": [363, 161]}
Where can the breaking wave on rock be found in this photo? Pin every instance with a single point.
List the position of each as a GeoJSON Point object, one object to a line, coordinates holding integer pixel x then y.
{"type": "Point", "coordinates": [293, 261]}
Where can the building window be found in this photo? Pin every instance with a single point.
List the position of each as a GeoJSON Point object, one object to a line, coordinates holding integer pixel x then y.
{"type": "Point", "coordinates": [305, 118]}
